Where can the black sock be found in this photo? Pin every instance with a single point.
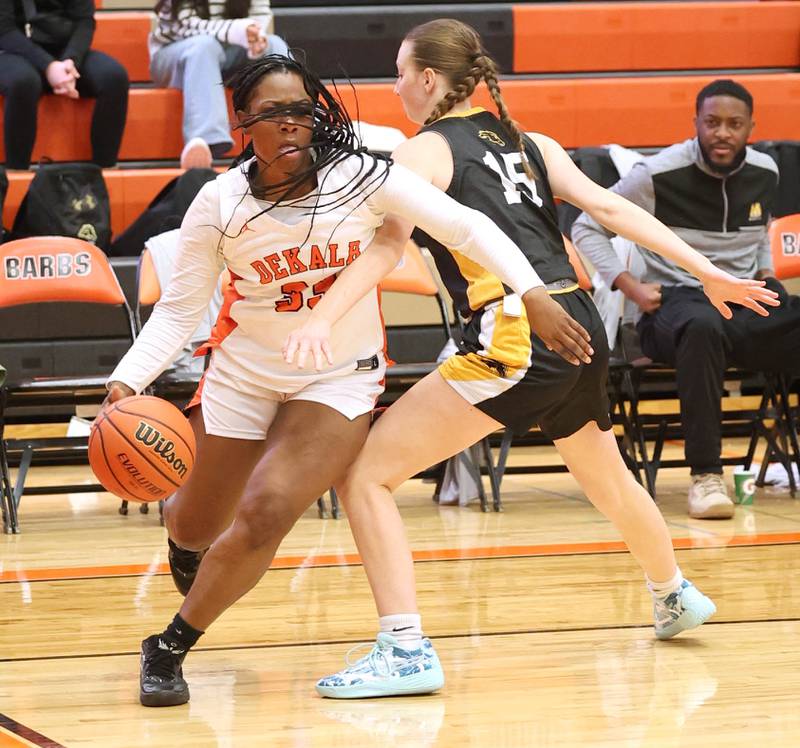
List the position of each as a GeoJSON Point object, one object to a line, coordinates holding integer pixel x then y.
{"type": "Point", "coordinates": [181, 633]}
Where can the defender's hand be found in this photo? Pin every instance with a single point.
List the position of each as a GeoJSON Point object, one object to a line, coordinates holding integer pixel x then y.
{"type": "Point", "coordinates": [556, 328]}
{"type": "Point", "coordinates": [721, 287]}
{"type": "Point", "coordinates": [313, 337]}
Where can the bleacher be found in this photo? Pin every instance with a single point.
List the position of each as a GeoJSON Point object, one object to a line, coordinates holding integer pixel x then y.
{"type": "Point", "coordinates": [584, 73]}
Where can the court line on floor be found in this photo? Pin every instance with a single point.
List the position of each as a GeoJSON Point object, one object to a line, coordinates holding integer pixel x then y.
{"type": "Point", "coordinates": [14, 734]}
{"type": "Point", "coordinates": [437, 637]}
{"type": "Point", "coordinates": [435, 554]}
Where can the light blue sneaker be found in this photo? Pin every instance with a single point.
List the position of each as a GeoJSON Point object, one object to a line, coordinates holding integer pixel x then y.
{"type": "Point", "coordinates": [388, 670]}
{"type": "Point", "coordinates": [685, 609]}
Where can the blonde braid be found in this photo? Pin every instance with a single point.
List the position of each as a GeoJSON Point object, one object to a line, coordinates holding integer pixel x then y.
{"type": "Point", "coordinates": [489, 73]}
{"type": "Point", "coordinates": [457, 94]}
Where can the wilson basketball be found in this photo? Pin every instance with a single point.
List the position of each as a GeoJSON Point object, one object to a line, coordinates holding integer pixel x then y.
{"type": "Point", "coordinates": [141, 448]}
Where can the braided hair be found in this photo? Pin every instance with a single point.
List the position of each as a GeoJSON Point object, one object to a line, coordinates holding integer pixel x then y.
{"type": "Point", "coordinates": [455, 50]}
{"type": "Point", "coordinates": [333, 140]}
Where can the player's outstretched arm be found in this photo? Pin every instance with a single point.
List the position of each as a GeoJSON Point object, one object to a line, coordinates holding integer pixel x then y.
{"type": "Point", "coordinates": [626, 219]}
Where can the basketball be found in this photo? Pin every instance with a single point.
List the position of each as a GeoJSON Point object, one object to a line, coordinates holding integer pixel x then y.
{"type": "Point", "coordinates": [141, 448]}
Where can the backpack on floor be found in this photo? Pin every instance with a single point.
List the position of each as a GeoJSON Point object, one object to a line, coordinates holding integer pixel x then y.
{"type": "Point", "coordinates": [66, 200]}
{"type": "Point", "coordinates": [165, 212]}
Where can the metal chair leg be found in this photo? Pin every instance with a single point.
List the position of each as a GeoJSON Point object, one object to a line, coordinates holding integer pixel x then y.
{"type": "Point", "coordinates": [791, 427]}
{"type": "Point", "coordinates": [22, 474]}
{"type": "Point", "coordinates": [502, 458]}
{"type": "Point", "coordinates": [335, 512]}
{"type": "Point", "coordinates": [494, 481]}
{"type": "Point", "coordinates": [10, 518]}
{"type": "Point", "coordinates": [475, 470]}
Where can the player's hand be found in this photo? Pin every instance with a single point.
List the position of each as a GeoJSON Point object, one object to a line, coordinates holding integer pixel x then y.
{"type": "Point", "coordinates": [312, 338]}
{"type": "Point", "coordinates": [559, 332]}
{"type": "Point", "coordinates": [116, 391]}
{"type": "Point", "coordinates": [721, 287]}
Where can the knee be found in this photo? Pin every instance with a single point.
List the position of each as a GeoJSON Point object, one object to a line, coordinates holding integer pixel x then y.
{"type": "Point", "coordinates": [113, 80]}
{"type": "Point", "coordinates": [611, 495]}
{"type": "Point", "coordinates": [702, 333]}
{"type": "Point", "coordinates": [277, 46]}
{"type": "Point", "coordinates": [264, 520]}
{"type": "Point", "coordinates": [201, 49]}
{"type": "Point", "coordinates": [192, 536]}
{"type": "Point", "coordinates": [362, 485]}
{"type": "Point", "coordinates": [188, 530]}
{"type": "Point", "coordinates": [354, 483]}
{"type": "Point", "coordinates": [26, 86]}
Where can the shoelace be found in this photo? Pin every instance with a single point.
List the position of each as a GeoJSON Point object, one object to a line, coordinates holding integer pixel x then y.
{"type": "Point", "coordinates": [161, 663]}
{"type": "Point", "coordinates": [380, 654]}
{"type": "Point", "coordinates": [710, 485]}
{"type": "Point", "coordinates": [670, 605]}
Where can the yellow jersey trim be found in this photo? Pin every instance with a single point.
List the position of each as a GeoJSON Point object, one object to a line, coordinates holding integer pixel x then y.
{"type": "Point", "coordinates": [465, 113]}
{"type": "Point", "coordinates": [569, 289]}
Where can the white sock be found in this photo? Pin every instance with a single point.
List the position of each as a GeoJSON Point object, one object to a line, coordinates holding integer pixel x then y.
{"type": "Point", "coordinates": [664, 589]}
{"type": "Point", "coordinates": [405, 627]}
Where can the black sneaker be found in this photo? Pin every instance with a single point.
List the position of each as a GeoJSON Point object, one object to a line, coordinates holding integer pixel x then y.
{"type": "Point", "coordinates": [183, 564]}
{"type": "Point", "coordinates": [161, 680]}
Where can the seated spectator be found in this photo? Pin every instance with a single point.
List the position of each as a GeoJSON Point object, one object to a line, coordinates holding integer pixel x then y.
{"type": "Point", "coordinates": [195, 45]}
{"type": "Point", "coordinates": [44, 47]}
{"type": "Point", "coordinates": [716, 194]}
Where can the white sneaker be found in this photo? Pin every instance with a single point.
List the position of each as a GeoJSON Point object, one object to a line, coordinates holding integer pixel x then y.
{"type": "Point", "coordinates": [685, 609]}
{"type": "Point", "coordinates": [196, 155]}
{"type": "Point", "coordinates": [708, 497]}
{"type": "Point", "coordinates": [388, 670]}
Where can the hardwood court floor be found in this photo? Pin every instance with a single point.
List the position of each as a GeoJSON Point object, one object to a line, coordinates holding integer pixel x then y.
{"type": "Point", "coordinates": [541, 621]}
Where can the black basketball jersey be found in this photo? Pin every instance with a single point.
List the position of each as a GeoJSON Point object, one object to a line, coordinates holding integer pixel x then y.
{"type": "Point", "coordinates": [488, 176]}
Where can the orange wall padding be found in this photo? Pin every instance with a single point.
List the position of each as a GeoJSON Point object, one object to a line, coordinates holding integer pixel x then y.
{"type": "Point", "coordinates": [574, 37]}
{"type": "Point", "coordinates": [632, 111]}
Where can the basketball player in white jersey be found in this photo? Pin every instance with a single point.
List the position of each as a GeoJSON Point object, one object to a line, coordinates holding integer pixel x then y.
{"type": "Point", "coordinates": [502, 376]}
{"type": "Point", "coordinates": [271, 439]}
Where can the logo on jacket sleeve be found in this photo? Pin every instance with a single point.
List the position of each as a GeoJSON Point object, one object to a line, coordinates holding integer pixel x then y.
{"type": "Point", "coordinates": [755, 212]}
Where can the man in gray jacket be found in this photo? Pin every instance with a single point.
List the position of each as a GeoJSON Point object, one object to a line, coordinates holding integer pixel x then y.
{"type": "Point", "coordinates": [717, 195]}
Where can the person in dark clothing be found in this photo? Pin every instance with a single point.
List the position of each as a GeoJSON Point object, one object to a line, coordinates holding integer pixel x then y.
{"type": "Point", "coordinates": [45, 47]}
{"type": "Point", "coordinates": [717, 194]}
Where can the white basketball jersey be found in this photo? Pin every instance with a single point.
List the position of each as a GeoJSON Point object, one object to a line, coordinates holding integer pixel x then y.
{"type": "Point", "coordinates": [280, 270]}
{"type": "Point", "coordinates": [282, 264]}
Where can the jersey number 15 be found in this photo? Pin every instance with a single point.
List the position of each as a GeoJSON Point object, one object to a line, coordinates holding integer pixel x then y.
{"type": "Point", "coordinates": [512, 174]}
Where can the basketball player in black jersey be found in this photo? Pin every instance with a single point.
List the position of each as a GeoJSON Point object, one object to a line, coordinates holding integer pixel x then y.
{"type": "Point", "coordinates": [503, 375]}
